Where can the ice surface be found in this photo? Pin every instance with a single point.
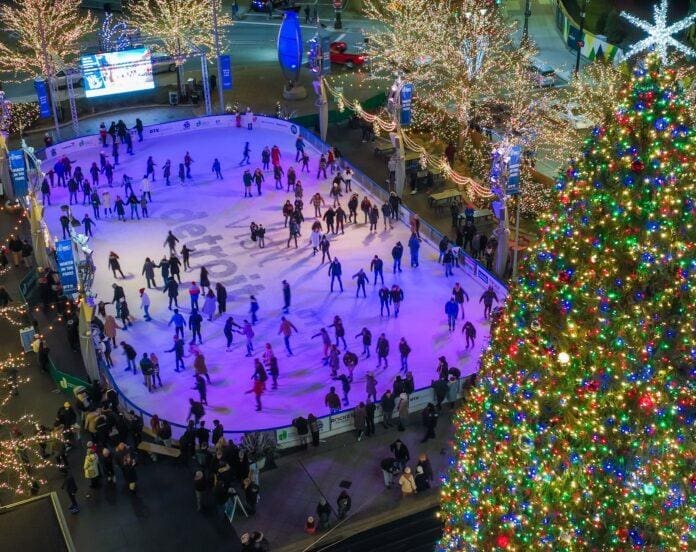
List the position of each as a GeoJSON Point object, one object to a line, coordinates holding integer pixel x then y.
{"type": "Point", "coordinates": [213, 218]}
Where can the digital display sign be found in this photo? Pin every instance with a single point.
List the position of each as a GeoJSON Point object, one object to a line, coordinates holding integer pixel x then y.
{"type": "Point", "coordinates": [117, 72]}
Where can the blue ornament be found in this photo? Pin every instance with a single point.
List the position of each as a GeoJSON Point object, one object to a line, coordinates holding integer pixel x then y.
{"type": "Point", "coordinates": [661, 124]}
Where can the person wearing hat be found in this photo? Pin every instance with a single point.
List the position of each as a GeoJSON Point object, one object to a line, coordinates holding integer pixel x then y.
{"type": "Point", "coordinates": [324, 513]}
{"type": "Point", "coordinates": [407, 483]}
{"type": "Point", "coordinates": [91, 466]}
{"type": "Point", "coordinates": [310, 525]}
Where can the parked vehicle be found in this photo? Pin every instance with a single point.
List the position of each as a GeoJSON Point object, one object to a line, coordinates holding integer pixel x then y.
{"type": "Point", "coordinates": [338, 55]}
{"type": "Point", "coordinates": [542, 73]}
{"type": "Point", "coordinates": [162, 63]}
{"type": "Point", "coordinates": [262, 5]}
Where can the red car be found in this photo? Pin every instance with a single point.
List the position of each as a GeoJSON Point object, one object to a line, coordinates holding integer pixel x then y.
{"type": "Point", "coordinates": [338, 54]}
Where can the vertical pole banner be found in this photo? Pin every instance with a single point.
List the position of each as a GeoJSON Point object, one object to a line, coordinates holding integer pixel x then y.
{"type": "Point", "coordinates": [406, 97]}
{"type": "Point", "coordinates": [226, 72]}
{"type": "Point", "coordinates": [66, 266]}
{"type": "Point", "coordinates": [325, 55]}
{"type": "Point", "coordinates": [18, 171]}
{"type": "Point", "coordinates": [513, 182]}
{"type": "Point", "coordinates": [42, 95]}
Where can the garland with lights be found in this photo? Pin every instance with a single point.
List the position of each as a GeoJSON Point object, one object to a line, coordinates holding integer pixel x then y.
{"type": "Point", "coordinates": [579, 434]}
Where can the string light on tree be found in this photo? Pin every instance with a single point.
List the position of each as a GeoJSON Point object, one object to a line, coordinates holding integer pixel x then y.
{"type": "Point", "coordinates": [114, 35]}
{"type": "Point", "coordinates": [660, 34]}
{"type": "Point", "coordinates": [579, 432]}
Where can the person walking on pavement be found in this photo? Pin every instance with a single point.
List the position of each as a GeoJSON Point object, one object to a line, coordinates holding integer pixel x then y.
{"type": "Point", "coordinates": [488, 297]}
{"type": "Point", "coordinates": [286, 329]}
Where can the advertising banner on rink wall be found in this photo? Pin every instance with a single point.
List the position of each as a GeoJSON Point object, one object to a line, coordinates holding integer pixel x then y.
{"type": "Point", "coordinates": [167, 129]}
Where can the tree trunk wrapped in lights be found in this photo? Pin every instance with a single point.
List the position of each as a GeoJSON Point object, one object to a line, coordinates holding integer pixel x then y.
{"type": "Point", "coordinates": [579, 434]}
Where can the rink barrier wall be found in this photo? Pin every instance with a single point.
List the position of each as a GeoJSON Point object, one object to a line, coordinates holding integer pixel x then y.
{"type": "Point", "coordinates": [329, 425]}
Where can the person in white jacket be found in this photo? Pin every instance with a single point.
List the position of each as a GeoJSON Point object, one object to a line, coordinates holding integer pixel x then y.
{"type": "Point", "coordinates": [145, 304]}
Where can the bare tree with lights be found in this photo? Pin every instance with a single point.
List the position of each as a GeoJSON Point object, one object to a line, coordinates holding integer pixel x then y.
{"type": "Point", "coordinates": [180, 28]}
{"type": "Point", "coordinates": [23, 456]}
{"type": "Point", "coordinates": [40, 35]}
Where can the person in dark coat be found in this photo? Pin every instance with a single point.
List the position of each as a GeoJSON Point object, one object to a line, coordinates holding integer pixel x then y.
{"type": "Point", "coordinates": [204, 280]}
{"type": "Point", "coordinates": [221, 297]}
{"type": "Point", "coordinates": [429, 417]}
{"type": "Point", "coordinates": [149, 272]}
{"type": "Point", "coordinates": [400, 452]}
{"type": "Point", "coordinates": [388, 403]}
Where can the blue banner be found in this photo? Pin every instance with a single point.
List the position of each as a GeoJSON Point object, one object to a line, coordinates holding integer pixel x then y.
{"type": "Point", "coordinates": [513, 182]}
{"type": "Point", "coordinates": [66, 266]}
{"type": "Point", "coordinates": [406, 97]}
{"type": "Point", "coordinates": [18, 170]}
{"type": "Point", "coordinates": [226, 72]}
{"type": "Point", "coordinates": [42, 95]}
{"type": "Point", "coordinates": [325, 55]}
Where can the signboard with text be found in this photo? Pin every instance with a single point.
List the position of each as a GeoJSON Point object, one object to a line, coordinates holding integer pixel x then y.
{"type": "Point", "coordinates": [406, 93]}
{"type": "Point", "coordinates": [18, 170]}
{"type": "Point", "coordinates": [513, 182]}
{"type": "Point", "coordinates": [66, 266]}
{"type": "Point", "coordinates": [226, 72]}
{"type": "Point", "coordinates": [42, 96]}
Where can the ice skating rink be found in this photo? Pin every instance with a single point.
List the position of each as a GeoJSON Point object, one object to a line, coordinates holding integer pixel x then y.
{"type": "Point", "coordinates": [212, 217]}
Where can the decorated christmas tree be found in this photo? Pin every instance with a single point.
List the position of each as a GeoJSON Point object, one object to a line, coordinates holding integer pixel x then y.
{"type": "Point", "coordinates": [580, 432]}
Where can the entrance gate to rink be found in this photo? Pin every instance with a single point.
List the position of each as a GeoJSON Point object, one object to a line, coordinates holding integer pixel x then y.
{"type": "Point", "coordinates": [286, 436]}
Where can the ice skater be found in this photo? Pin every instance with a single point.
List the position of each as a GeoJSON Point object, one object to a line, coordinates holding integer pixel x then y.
{"type": "Point", "coordinates": [247, 179]}
{"type": "Point", "coordinates": [397, 252]}
{"type": "Point", "coordinates": [384, 297]}
{"type": "Point", "coordinates": [167, 172]}
{"type": "Point", "coordinates": [286, 297]}
{"type": "Point", "coordinates": [187, 163]}
{"type": "Point", "coordinates": [245, 155]}
{"type": "Point", "coordinates": [178, 320]}
{"type": "Point", "coordinates": [382, 349]}
{"type": "Point", "coordinates": [377, 268]}
{"type": "Point", "coordinates": [286, 329]}
{"type": "Point", "coordinates": [340, 331]}
{"type": "Point", "coordinates": [469, 330]}
{"type": "Point", "coordinates": [366, 341]}
{"type": "Point", "coordinates": [396, 296]}
{"type": "Point", "coordinates": [171, 240]}
{"type": "Point", "coordinates": [248, 332]}
{"type": "Point", "coordinates": [324, 246]}
{"type": "Point", "coordinates": [115, 265]}
{"type": "Point", "coordinates": [194, 324]}
{"type": "Point", "coordinates": [182, 174]}
{"type": "Point", "coordinates": [171, 288]}
{"type": "Point", "coordinates": [178, 350]}
{"type": "Point", "coordinates": [194, 294]}
{"type": "Point", "coordinates": [217, 169]}
{"type": "Point", "coordinates": [88, 223]}
{"type": "Point", "coordinates": [186, 256]}
{"type": "Point", "coordinates": [326, 342]}
{"type": "Point", "coordinates": [229, 330]}
{"type": "Point", "coordinates": [150, 168]}
{"type": "Point", "coordinates": [361, 281]}
{"type": "Point", "coordinates": [459, 294]}
{"type": "Point", "coordinates": [259, 385]}
{"type": "Point", "coordinates": [404, 351]}
{"type": "Point", "coordinates": [488, 297]}
{"type": "Point", "coordinates": [452, 311]}
{"type": "Point", "coordinates": [335, 273]}
{"type": "Point", "coordinates": [414, 248]}
{"type": "Point", "coordinates": [221, 297]}
{"type": "Point", "coordinates": [253, 309]}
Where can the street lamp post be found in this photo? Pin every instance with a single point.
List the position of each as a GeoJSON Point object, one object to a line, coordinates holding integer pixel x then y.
{"type": "Point", "coordinates": [527, 13]}
{"type": "Point", "coordinates": [580, 43]}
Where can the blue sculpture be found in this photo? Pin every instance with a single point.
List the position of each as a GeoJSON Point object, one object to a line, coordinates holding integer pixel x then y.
{"type": "Point", "coordinates": [290, 46]}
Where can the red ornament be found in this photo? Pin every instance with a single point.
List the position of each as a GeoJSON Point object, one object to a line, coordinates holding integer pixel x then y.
{"type": "Point", "coordinates": [646, 401]}
{"type": "Point", "coordinates": [637, 166]}
{"type": "Point", "coordinates": [502, 541]}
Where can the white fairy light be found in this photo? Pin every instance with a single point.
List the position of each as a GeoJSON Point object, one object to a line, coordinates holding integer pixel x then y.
{"type": "Point", "coordinates": [660, 34]}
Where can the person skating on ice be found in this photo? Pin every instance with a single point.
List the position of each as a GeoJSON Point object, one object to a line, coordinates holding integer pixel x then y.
{"type": "Point", "coordinates": [404, 351]}
{"type": "Point", "coordinates": [258, 180]}
{"type": "Point", "coordinates": [187, 163]}
{"type": "Point", "coordinates": [194, 324]}
{"type": "Point", "coordinates": [326, 343]}
{"type": "Point", "coordinates": [209, 305]}
{"type": "Point", "coordinates": [396, 296]}
{"type": "Point", "coordinates": [377, 268]}
{"type": "Point", "coordinates": [386, 215]}
{"type": "Point", "coordinates": [384, 297]}
{"type": "Point", "coordinates": [345, 387]}
{"type": "Point", "coordinates": [366, 208]}
{"type": "Point", "coordinates": [246, 160]}
{"type": "Point", "coordinates": [88, 223]}
{"type": "Point", "coordinates": [217, 169]}
{"type": "Point", "coordinates": [182, 174]}
{"type": "Point", "coordinates": [247, 179]}
{"type": "Point", "coordinates": [221, 298]}
{"type": "Point", "coordinates": [259, 386]}
{"type": "Point", "coordinates": [366, 336]}
{"type": "Point", "coordinates": [278, 176]}
{"type": "Point", "coordinates": [414, 248]}
{"type": "Point", "coordinates": [339, 330]}
{"type": "Point", "coordinates": [371, 386]}
{"type": "Point", "coordinates": [145, 304]}
{"type": "Point", "coordinates": [335, 272]}
{"type": "Point", "coordinates": [203, 279]}
{"type": "Point", "coordinates": [286, 329]}
{"type": "Point", "coordinates": [340, 219]}
{"type": "Point", "coordinates": [164, 268]}
{"type": "Point", "coordinates": [143, 206]}
{"type": "Point", "coordinates": [324, 246]}
{"type": "Point", "coordinates": [291, 179]}
{"type": "Point", "coordinates": [178, 320]}
{"type": "Point", "coordinates": [171, 288]}
{"type": "Point", "coordinates": [469, 331]}
{"type": "Point", "coordinates": [186, 256]}
{"type": "Point", "coordinates": [115, 265]}
{"type": "Point", "coordinates": [149, 273]}
{"type": "Point", "coordinates": [150, 168]}
{"type": "Point", "coordinates": [382, 349]}
{"type": "Point", "coordinates": [350, 361]}
{"type": "Point", "coordinates": [317, 201]}
{"type": "Point", "coordinates": [459, 294]}
{"type": "Point", "coordinates": [134, 204]}
{"type": "Point", "coordinates": [171, 240]}
{"type": "Point", "coordinates": [253, 309]}
{"type": "Point", "coordinates": [329, 217]}
{"type": "Point", "coordinates": [488, 297]}
{"type": "Point", "coordinates": [178, 350]}
{"type": "Point", "coordinates": [293, 231]}
{"type": "Point", "coordinates": [175, 267]}
{"type": "Point", "coordinates": [229, 330]}
{"type": "Point", "coordinates": [167, 172]}
{"type": "Point", "coordinates": [374, 218]}
{"type": "Point", "coordinates": [362, 279]}
{"type": "Point", "coordinates": [347, 179]}
{"type": "Point", "coordinates": [286, 297]}
{"type": "Point", "coordinates": [288, 209]}
{"type": "Point", "coordinates": [452, 312]}
{"type": "Point", "coordinates": [261, 235]}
